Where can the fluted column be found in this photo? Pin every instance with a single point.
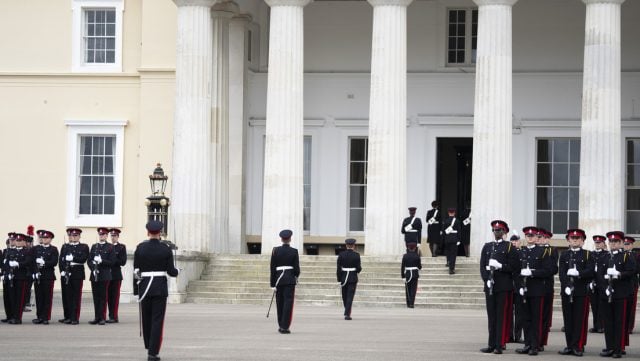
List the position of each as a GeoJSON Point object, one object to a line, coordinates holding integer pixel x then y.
{"type": "Point", "coordinates": [191, 178]}
{"type": "Point", "coordinates": [237, 131]}
{"type": "Point", "coordinates": [221, 15]}
{"type": "Point", "coordinates": [492, 125]}
{"type": "Point", "coordinates": [601, 176]}
{"type": "Point", "coordinates": [282, 204]}
{"type": "Point", "coordinates": [387, 165]}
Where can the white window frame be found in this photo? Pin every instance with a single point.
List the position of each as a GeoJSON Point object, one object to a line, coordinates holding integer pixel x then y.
{"type": "Point", "coordinates": [75, 130]}
{"type": "Point", "coordinates": [78, 8]}
{"type": "Point", "coordinates": [468, 49]}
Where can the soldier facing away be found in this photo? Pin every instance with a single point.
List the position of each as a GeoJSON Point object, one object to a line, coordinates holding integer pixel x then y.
{"type": "Point", "coordinates": [348, 267]}
{"type": "Point", "coordinates": [285, 270]}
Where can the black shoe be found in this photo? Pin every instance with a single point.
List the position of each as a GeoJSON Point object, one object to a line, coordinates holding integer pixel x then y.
{"type": "Point", "coordinates": [533, 352]}
{"type": "Point", "coordinates": [15, 322]}
{"type": "Point", "coordinates": [600, 330]}
{"type": "Point", "coordinates": [63, 320]}
{"type": "Point", "coordinates": [452, 272]}
{"type": "Point", "coordinates": [348, 318]}
{"type": "Point", "coordinates": [26, 309]}
{"type": "Point", "coordinates": [36, 321]}
{"type": "Point", "coordinates": [616, 355]}
{"type": "Point", "coordinates": [101, 322]}
{"type": "Point", "coordinates": [497, 351]}
{"type": "Point", "coordinates": [566, 351]}
{"type": "Point", "coordinates": [45, 322]}
{"type": "Point", "coordinates": [93, 322]}
{"type": "Point", "coordinates": [562, 329]}
{"type": "Point", "coordinates": [73, 322]}
{"type": "Point", "coordinates": [540, 348]}
{"type": "Point", "coordinates": [523, 350]}
{"type": "Point", "coordinates": [410, 306]}
{"type": "Point", "coordinates": [606, 353]}
{"type": "Point", "coordinates": [578, 353]}
{"type": "Point", "coordinates": [112, 321]}
{"type": "Point", "coordinates": [282, 330]}
{"type": "Point", "coordinates": [487, 350]}
{"type": "Point", "coordinates": [153, 358]}
{"type": "Point", "coordinates": [4, 320]}
{"type": "Point", "coordinates": [623, 352]}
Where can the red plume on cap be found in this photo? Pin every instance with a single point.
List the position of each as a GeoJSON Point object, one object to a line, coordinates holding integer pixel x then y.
{"type": "Point", "coordinates": [30, 230]}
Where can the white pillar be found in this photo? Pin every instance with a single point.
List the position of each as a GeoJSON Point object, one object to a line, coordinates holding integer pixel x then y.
{"type": "Point", "coordinates": [387, 164]}
{"type": "Point", "coordinates": [283, 187]}
{"type": "Point", "coordinates": [601, 176]}
{"type": "Point", "coordinates": [221, 14]}
{"type": "Point", "coordinates": [237, 131]}
{"type": "Point", "coordinates": [191, 170]}
{"type": "Point", "coordinates": [492, 124]}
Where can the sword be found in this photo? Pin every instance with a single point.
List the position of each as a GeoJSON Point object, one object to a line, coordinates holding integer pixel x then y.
{"type": "Point", "coordinates": [271, 303]}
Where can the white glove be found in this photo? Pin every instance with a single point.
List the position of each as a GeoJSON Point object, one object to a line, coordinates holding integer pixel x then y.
{"type": "Point", "coordinates": [526, 272]}
{"type": "Point", "coordinates": [97, 259]}
{"type": "Point", "coordinates": [273, 289]}
{"type": "Point", "coordinates": [457, 243]}
{"type": "Point", "coordinates": [68, 258]}
{"type": "Point", "coordinates": [13, 264]}
{"type": "Point", "coordinates": [591, 286]}
{"type": "Point", "coordinates": [489, 283]}
{"type": "Point", "coordinates": [573, 272]}
{"type": "Point", "coordinates": [40, 261]}
{"type": "Point", "coordinates": [567, 291]}
{"type": "Point", "coordinates": [63, 273]}
{"type": "Point", "coordinates": [608, 292]}
{"type": "Point", "coordinates": [179, 269]}
{"type": "Point", "coordinates": [521, 291]}
{"type": "Point", "coordinates": [613, 272]}
{"type": "Point", "coordinates": [495, 264]}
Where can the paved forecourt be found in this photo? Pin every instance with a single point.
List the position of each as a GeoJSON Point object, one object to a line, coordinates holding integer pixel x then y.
{"type": "Point", "coordinates": [241, 332]}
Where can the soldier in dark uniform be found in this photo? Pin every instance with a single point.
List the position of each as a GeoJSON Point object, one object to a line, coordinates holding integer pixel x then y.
{"type": "Point", "coordinates": [19, 271]}
{"type": "Point", "coordinates": [348, 267]}
{"type": "Point", "coordinates": [73, 256]}
{"type": "Point", "coordinates": [434, 230]}
{"type": "Point", "coordinates": [152, 262]}
{"type": "Point", "coordinates": [594, 297]}
{"type": "Point", "coordinates": [31, 268]}
{"type": "Point", "coordinates": [113, 295]}
{"type": "Point", "coordinates": [633, 299]}
{"type": "Point", "coordinates": [46, 259]}
{"type": "Point", "coordinates": [412, 227]}
{"type": "Point", "coordinates": [544, 237]}
{"type": "Point", "coordinates": [465, 235]}
{"type": "Point", "coordinates": [614, 274]}
{"type": "Point", "coordinates": [6, 272]}
{"type": "Point", "coordinates": [101, 258]}
{"type": "Point", "coordinates": [577, 269]}
{"type": "Point", "coordinates": [537, 266]}
{"type": "Point", "coordinates": [285, 269]}
{"type": "Point", "coordinates": [410, 272]}
{"type": "Point", "coordinates": [452, 230]}
{"type": "Point", "coordinates": [498, 263]}
{"type": "Point", "coordinates": [518, 320]}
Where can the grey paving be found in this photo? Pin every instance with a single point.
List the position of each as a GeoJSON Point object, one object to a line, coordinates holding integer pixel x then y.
{"type": "Point", "coordinates": [242, 332]}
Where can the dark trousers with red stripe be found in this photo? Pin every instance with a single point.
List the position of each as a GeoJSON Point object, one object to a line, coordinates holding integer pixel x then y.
{"type": "Point", "coordinates": [411, 289]}
{"type": "Point", "coordinates": [348, 293]}
{"type": "Point", "coordinates": [631, 320]}
{"type": "Point", "coordinates": [534, 323]}
{"type": "Point", "coordinates": [72, 294]}
{"type": "Point", "coordinates": [153, 310]}
{"type": "Point", "coordinates": [44, 298]}
{"type": "Point", "coordinates": [6, 297]}
{"type": "Point", "coordinates": [284, 305]}
{"type": "Point", "coordinates": [576, 321]}
{"type": "Point", "coordinates": [614, 314]}
{"type": "Point", "coordinates": [99, 290]}
{"type": "Point", "coordinates": [18, 293]}
{"type": "Point", "coordinates": [498, 314]}
{"type": "Point", "coordinates": [113, 298]}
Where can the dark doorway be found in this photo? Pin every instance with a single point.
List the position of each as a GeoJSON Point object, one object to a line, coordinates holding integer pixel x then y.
{"type": "Point", "coordinates": [453, 177]}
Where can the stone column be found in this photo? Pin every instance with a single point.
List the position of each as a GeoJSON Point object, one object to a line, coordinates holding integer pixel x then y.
{"type": "Point", "coordinates": [282, 204]}
{"type": "Point", "coordinates": [601, 176]}
{"type": "Point", "coordinates": [492, 124]}
{"type": "Point", "coordinates": [221, 14]}
{"type": "Point", "coordinates": [237, 131]}
{"type": "Point", "coordinates": [190, 219]}
{"type": "Point", "coordinates": [386, 199]}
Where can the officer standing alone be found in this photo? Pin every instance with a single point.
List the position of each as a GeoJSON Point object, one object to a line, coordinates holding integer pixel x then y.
{"type": "Point", "coordinates": [285, 269]}
{"type": "Point", "coordinates": [347, 274]}
{"type": "Point", "coordinates": [152, 262]}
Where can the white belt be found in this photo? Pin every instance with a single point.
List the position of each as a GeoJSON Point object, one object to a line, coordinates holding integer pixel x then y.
{"type": "Point", "coordinates": [348, 269]}
{"type": "Point", "coordinates": [412, 231]}
{"type": "Point", "coordinates": [76, 264]}
{"type": "Point", "coordinates": [410, 269]}
{"type": "Point", "coordinates": [154, 274]}
{"type": "Point", "coordinates": [346, 278]}
{"type": "Point", "coordinates": [282, 268]}
{"type": "Point", "coordinates": [436, 222]}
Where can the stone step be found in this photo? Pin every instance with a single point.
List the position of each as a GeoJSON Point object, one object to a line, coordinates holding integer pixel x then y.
{"type": "Point", "coordinates": [222, 284]}
{"type": "Point", "coordinates": [431, 304]}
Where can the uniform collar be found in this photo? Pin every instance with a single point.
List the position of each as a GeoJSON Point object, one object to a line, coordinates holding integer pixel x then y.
{"type": "Point", "coordinates": [46, 245]}
{"type": "Point", "coordinates": [74, 243]}
{"type": "Point", "coordinates": [530, 246]}
{"type": "Point", "coordinates": [615, 252]}
{"type": "Point", "coordinates": [19, 248]}
{"type": "Point", "coordinates": [598, 250]}
{"type": "Point", "coordinates": [576, 249]}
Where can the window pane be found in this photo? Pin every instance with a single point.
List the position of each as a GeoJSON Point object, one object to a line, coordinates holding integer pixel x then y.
{"type": "Point", "coordinates": [574, 199]}
{"type": "Point", "coordinates": [452, 30]}
{"type": "Point", "coordinates": [356, 220]}
{"type": "Point", "coordinates": [544, 198]}
{"type": "Point", "coordinates": [461, 30]}
{"type": "Point", "coordinates": [108, 166]}
{"type": "Point", "coordinates": [544, 220]}
{"type": "Point", "coordinates": [358, 151]}
{"type": "Point", "coordinates": [98, 165]}
{"type": "Point", "coordinates": [96, 205]}
{"type": "Point", "coordinates": [109, 205]}
{"type": "Point", "coordinates": [460, 57]}
{"type": "Point", "coordinates": [544, 175]}
{"type": "Point", "coordinates": [574, 155]}
{"type": "Point", "coordinates": [559, 222]}
{"type": "Point", "coordinates": [452, 57]}
{"type": "Point", "coordinates": [544, 150]}
{"type": "Point", "coordinates": [85, 205]}
{"type": "Point", "coordinates": [110, 57]}
{"type": "Point", "coordinates": [633, 199]}
{"type": "Point", "coordinates": [100, 17]}
{"type": "Point", "coordinates": [357, 172]}
{"type": "Point", "coordinates": [560, 198]}
{"type": "Point", "coordinates": [560, 175]}
{"type": "Point", "coordinates": [97, 185]}
{"type": "Point", "coordinates": [85, 165]}
{"type": "Point", "coordinates": [574, 175]}
{"type": "Point", "coordinates": [91, 16]}
{"type": "Point", "coordinates": [474, 17]}
{"type": "Point", "coordinates": [357, 196]}
{"type": "Point", "coordinates": [573, 220]}
{"type": "Point", "coordinates": [108, 186]}
{"type": "Point", "coordinates": [111, 16]}
{"type": "Point", "coordinates": [452, 16]}
{"type": "Point", "coordinates": [305, 219]}
{"type": "Point", "coordinates": [100, 30]}
{"type": "Point", "coordinates": [460, 44]}
{"type": "Point", "coordinates": [85, 185]}
{"type": "Point", "coordinates": [462, 14]}
{"type": "Point", "coordinates": [111, 43]}
{"type": "Point", "coordinates": [633, 222]}
{"type": "Point", "coordinates": [633, 151]}
{"type": "Point", "coordinates": [633, 175]}
{"type": "Point", "coordinates": [109, 145]}
{"type": "Point", "coordinates": [561, 150]}
{"type": "Point", "coordinates": [452, 43]}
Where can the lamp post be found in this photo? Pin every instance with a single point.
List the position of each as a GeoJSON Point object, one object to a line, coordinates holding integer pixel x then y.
{"type": "Point", "coordinates": [157, 204]}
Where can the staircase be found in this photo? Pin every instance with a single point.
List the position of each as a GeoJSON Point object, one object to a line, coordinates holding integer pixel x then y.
{"type": "Point", "coordinates": [244, 279]}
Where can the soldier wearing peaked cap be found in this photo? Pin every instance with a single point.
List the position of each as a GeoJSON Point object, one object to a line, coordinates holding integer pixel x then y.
{"type": "Point", "coordinates": [285, 270]}
{"type": "Point", "coordinates": [73, 256]}
{"type": "Point", "coordinates": [628, 243]}
{"type": "Point", "coordinates": [101, 258]}
{"type": "Point", "coordinates": [577, 269]}
{"type": "Point", "coordinates": [412, 227]}
{"type": "Point", "coordinates": [113, 296]}
{"type": "Point", "coordinates": [498, 263]}
{"type": "Point", "coordinates": [544, 237]}
{"type": "Point", "coordinates": [434, 230]}
{"type": "Point", "coordinates": [18, 268]}
{"type": "Point", "coordinates": [452, 232]}
{"type": "Point", "coordinates": [594, 296]}
{"type": "Point", "coordinates": [152, 263]}
{"type": "Point", "coordinates": [410, 272]}
{"type": "Point", "coordinates": [348, 267]}
{"type": "Point", "coordinates": [46, 259]}
{"type": "Point", "coordinates": [7, 276]}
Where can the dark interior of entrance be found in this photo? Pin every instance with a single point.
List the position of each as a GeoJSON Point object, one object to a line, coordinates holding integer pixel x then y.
{"type": "Point", "coordinates": [453, 178]}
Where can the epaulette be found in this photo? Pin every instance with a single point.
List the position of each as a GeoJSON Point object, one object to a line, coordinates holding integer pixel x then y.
{"type": "Point", "coordinates": [624, 259]}
{"type": "Point", "coordinates": [587, 253]}
{"type": "Point", "coordinates": [509, 249]}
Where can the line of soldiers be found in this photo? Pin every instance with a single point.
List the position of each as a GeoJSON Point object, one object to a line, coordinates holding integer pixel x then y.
{"type": "Point", "coordinates": [519, 281]}
{"type": "Point", "coordinates": [23, 266]}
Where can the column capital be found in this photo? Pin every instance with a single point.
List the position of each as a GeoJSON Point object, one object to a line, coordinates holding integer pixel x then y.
{"type": "Point", "coordinates": [375, 3]}
{"type": "Point", "coordinates": [207, 3]}
{"type": "Point", "coordinates": [301, 3]}
{"type": "Point", "coordinates": [225, 9]}
{"type": "Point", "coordinates": [589, 2]}
{"type": "Point", "coordinates": [242, 18]}
{"type": "Point", "coordinates": [495, 2]}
